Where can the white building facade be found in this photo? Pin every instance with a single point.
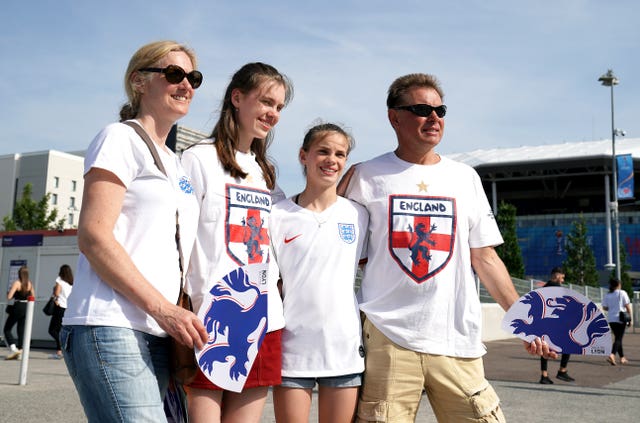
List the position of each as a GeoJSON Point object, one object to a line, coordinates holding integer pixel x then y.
{"type": "Point", "coordinates": [61, 174]}
{"type": "Point", "coordinates": [49, 171]}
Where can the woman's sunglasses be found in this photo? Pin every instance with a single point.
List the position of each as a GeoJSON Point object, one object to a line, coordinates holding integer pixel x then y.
{"type": "Point", "coordinates": [175, 74]}
{"type": "Point", "coordinates": [424, 110]}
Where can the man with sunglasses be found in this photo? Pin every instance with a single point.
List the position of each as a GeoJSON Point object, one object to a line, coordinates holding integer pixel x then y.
{"type": "Point", "coordinates": [430, 227]}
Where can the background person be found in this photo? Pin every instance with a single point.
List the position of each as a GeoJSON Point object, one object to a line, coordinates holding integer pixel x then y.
{"type": "Point", "coordinates": [615, 301]}
{"type": "Point", "coordinates": [556, 279]}
{"type": "Point", "coordinates": [61, 290]}
{"type": "Point", "coordinates": [318, 239]}
{"type": "Point", "coordinates": [20, 290]}
{"type": "Point", "coordinates": [235, 157]}
{"type": "Point", "coordinates": [123, 305]}
{"type": "Point", "coordinates": [431, 227]}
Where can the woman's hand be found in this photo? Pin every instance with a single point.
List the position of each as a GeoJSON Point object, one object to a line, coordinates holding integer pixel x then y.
{"type": "Point", "coordinates": [182, 325]}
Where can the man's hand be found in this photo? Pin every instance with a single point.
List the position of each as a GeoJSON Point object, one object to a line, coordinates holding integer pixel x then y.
{"type": "Point", "coordinates": [540, 348]}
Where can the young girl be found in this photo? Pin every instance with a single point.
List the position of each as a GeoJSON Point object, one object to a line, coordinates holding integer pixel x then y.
{"type": "Point", "coordinates": [613, 303]}
{"type": "Point", "coordinates": [234, 181]}
{"type": "Point", "coordinates": [318, 239]}
{"type": "Point", "coordinates": [20, 290]}
{"type": "Point", "coordinates": [61, 291]}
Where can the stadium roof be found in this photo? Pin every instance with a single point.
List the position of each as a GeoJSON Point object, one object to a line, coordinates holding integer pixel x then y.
{"type": "Point", "coordinates": [548, 153]}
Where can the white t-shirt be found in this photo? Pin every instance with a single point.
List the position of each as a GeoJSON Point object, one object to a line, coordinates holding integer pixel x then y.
{"type": "Point", "coordinates": [65, 290]}
{"type": "Point", "coordinates": [418, 286]}
{"type": "Point", "coordinates": [615, 302]}
{"type": "Point", "coordinates": [146, 229]}
{"type": "Point", "coordinates": [318, 255]}
{"type": "Point", "coordinates": [228, 206]}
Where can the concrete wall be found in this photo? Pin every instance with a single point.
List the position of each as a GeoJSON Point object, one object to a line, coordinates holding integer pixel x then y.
{"type": "Point", "coordinates": [492, 315]}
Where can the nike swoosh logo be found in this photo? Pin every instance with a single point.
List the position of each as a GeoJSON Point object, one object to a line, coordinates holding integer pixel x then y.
{"type": "Point", "coordinates": [288, 240]}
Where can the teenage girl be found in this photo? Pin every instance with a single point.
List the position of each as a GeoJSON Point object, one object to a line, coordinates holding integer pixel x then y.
{"type": "Point", "coordinates": [318, 239]}
{"type": "Point", "coordinates": [20, 290]}
{"type": "Point", "coordinates": [234, 182]}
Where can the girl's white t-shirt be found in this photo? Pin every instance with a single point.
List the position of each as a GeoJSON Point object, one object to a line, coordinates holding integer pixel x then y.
{"type": "Point", "coordinates": [615, 302]}
{"type": "Point", "coordinates": [213, 249]}
{"type": "Point", "coordinates": [318, 255]}
{"type": "Point", "coordinates": [65, 290]}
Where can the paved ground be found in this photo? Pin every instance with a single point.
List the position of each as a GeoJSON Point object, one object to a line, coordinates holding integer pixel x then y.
{"type": "Point", "coordinates": [601, 393]}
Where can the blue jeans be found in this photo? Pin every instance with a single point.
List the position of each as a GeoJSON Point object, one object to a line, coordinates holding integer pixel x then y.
{"type": "Point", "coordinates": [121, 375]}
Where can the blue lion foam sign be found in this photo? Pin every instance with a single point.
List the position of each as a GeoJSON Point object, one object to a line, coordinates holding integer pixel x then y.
{"type": "Point", "coordinates": [235, 315]}
{"type": "Point", "coordinates": [568, 321]}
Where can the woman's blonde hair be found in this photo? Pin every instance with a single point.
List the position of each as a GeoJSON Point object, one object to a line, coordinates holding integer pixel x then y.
{"type": "Point", "coordinates": [147, 56]}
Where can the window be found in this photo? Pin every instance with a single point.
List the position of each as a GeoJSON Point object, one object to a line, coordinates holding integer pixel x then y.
{"type": "Point", "coordinates": [73, 185]}
{"type": "Point", "coordinates": [70, 221]}
{"type": "Point", "coordinates": [56, 182]}
{"type": "Point", "coordinates": [72, 203]}
{"type": "Point", "coordinates": [54, 199]}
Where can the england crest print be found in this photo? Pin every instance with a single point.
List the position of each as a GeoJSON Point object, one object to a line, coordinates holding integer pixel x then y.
{"type": "Point", "coordinates": [421, 233]}
{"type": "Point", "coordinates": [246, 233]}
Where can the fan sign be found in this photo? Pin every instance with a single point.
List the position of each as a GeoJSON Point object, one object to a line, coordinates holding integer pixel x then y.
{"type": "Point", "coordinates": [568, 321]}
{"type": "Point", "coordinates": [234, 312]}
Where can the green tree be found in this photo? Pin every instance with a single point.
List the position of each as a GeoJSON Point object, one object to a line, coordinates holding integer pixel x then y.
{"type": "Point", "coordinates": [509, 252]}
{"type": "Point", "coordinates": [29, 214]}
{"type": "Point", "coordinates": [580, 265]}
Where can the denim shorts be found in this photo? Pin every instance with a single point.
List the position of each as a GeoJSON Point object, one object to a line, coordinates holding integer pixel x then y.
{"type": "Point", "coordinates": [345, 381]}
{"type": "Point", "coordinates": [120, 374]}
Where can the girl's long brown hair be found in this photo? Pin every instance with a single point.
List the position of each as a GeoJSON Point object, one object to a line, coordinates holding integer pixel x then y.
{"type": "Point", "coordinates": [225, 133]}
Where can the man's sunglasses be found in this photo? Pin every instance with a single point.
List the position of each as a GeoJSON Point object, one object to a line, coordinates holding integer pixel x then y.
{"type": "Point", "coordinates": [175, 74]}
{"type": "Point", "coordinates": [424, 110]}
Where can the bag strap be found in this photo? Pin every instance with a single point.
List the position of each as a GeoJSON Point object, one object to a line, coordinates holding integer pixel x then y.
{"type": "Point", "coordinates": [156, 159]}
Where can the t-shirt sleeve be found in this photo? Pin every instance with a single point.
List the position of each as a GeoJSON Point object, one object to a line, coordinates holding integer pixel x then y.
{"type": "Point", "coordinates": [355, 188]}
{"type": "Point", "coordinates": [113, 150]}
{"type": "Point", "coordinates": [483, 228]}
{"type": "Point", "coordinates": [363, 220]}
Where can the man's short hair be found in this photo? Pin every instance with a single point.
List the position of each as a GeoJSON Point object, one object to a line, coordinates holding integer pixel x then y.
{"type": "Point", "coordinates": [400, 86]}
{"type": "Point", "coordinates": [557, 270]}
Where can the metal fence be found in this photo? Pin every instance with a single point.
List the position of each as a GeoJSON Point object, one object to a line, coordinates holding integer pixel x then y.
{"type": "Point", "coordinates": [523, 286]}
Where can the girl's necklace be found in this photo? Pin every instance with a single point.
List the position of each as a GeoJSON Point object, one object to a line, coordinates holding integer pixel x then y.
{"type": "Point", "coordinates": [317, 216]}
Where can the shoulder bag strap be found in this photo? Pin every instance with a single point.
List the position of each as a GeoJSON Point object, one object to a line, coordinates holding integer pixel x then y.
{"type": "Point", "coordinates": [156, 159]}
{"type": "Point", "coordinates": [147, 140]}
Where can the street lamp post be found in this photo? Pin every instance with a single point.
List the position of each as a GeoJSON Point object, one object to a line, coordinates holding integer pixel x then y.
{"type": "Point", "coordinates": [609, 80]}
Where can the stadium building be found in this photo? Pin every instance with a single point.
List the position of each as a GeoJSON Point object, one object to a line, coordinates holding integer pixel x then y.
{"type": "Point", "coordinates": [551, 186]}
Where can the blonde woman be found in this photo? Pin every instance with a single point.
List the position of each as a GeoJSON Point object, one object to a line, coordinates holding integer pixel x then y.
{"type": "Point", "coordinates": [122, 309]}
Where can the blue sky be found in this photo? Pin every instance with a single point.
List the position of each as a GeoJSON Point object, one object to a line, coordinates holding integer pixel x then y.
{"type": "Point", "coordinates": [514, 73]}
